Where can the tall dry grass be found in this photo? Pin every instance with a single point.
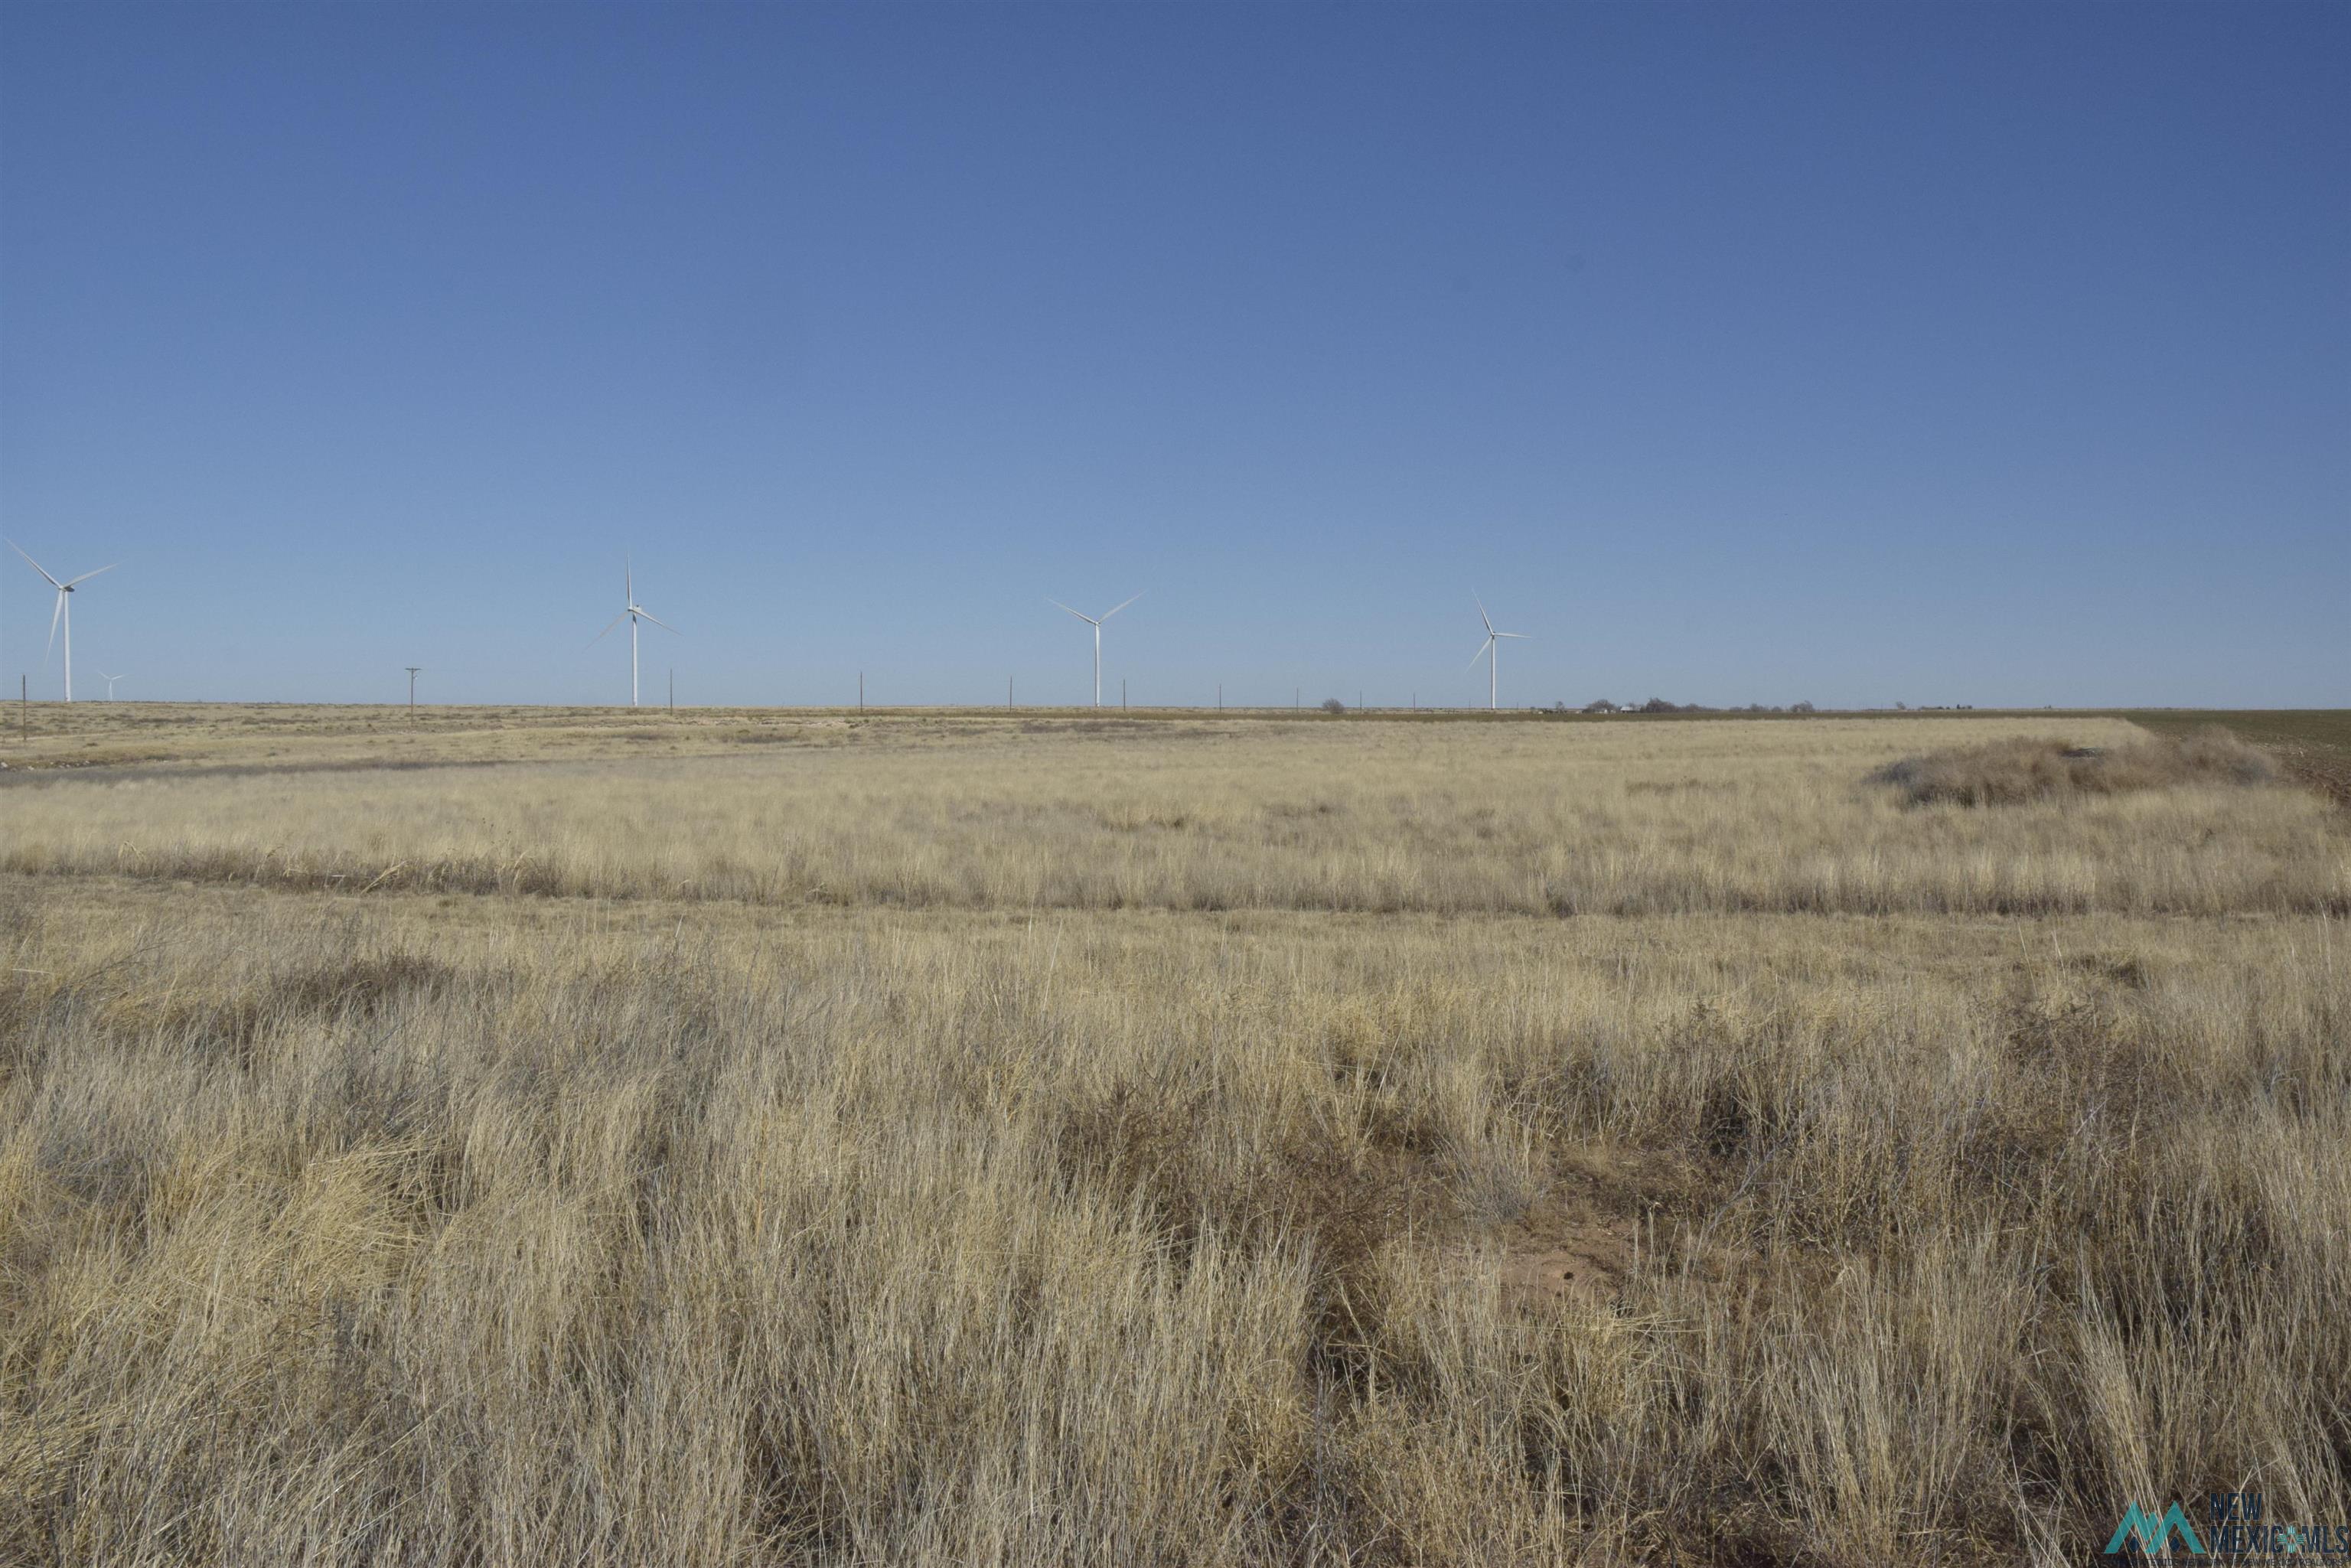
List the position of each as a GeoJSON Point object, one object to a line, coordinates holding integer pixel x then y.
{"type": "Point", "coordinates": [436, 1229]}
{"type": "Point", "coordinates": [1652, 819]}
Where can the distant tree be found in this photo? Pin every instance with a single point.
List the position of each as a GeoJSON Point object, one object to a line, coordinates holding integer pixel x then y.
{"type": "Point", "coordinates": [1333, 707]}
{"type": "Point", "coordinates": [1799, 707]}
{"type": "Point", "coordinates": [1602, 705]}
{"type": "Point", "coordinates": [1656, 704]}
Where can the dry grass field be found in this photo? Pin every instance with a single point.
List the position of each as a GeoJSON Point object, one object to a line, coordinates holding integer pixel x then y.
{"type": "Point", "coordinates": [547, 1138]}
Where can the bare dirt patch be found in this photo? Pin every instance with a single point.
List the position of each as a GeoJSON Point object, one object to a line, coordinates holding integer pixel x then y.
{"type": "Point", "coordinates": [1584, 1237]}
{"type": "Point", "coordinates": [2325, 769]}
{"type": "Point", "coordinates": [2311, 746]}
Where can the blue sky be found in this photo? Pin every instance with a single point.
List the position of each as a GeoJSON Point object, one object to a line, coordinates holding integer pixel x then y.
{"type": "Point", "coordinates": [1860, 353]}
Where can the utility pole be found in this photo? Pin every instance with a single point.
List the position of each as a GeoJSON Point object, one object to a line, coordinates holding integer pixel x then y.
{"type": "Point", "coordinates": [25, 710]}
{"type": "Point", "coordinates": [861, 691]}
{"type": "Point", "coordinates": [413, 672]}
{"type": "Point", "coordinates": [1298, 698]}
{"type": "Point", "coordinates": [1122, 694]}
{"type": "Point", "coordinates": [1220, 697]}
{"type": "Point", "coordinates": [1007, 694]}
{"type": "Point", "coordinates": [672, 691]}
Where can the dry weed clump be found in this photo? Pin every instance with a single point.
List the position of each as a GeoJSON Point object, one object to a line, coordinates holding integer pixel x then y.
{"type": "Point", "coordinates": [2009, 772]}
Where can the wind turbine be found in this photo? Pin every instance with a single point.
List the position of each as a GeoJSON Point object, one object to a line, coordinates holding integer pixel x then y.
{"type": "Point", "coordinates": [1491, 650]}
{"type": "Point", "coordinates": [109, 681]}
{"type": "Point", "coordinates": [64, 611]}
{"type": "Point", "coordinates": [633, 613]}
{"type": "Point", "coordinates": [1094, 622]}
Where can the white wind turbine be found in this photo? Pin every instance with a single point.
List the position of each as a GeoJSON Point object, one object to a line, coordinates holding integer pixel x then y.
{"type": "Point", "coordinates": [109, 681]}
{"type": "Point", "coordinates": [633, 613]}
{"type": "Point", "coordinates": [1094, 622]}
{"type": "Point", "coordinates": [1491, 650]}
{"type": "Point", "coordinates": [64, 611]}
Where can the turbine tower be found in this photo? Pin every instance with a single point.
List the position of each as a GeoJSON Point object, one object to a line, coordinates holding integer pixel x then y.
{"type": "Point", "coordinates": [109, 681]}
{"type": "Point", "coordinates": [1491, 650]}
{"type": "Point", "coordinates": [64, 611]}
{"type": "Point", "coordinates": [1094, 622]}
{"type": "Point", "coordinates": [632, 612]}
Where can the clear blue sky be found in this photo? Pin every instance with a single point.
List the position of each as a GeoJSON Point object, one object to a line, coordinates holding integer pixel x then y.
{"type": "Point", "coordinates": [1977, 352]}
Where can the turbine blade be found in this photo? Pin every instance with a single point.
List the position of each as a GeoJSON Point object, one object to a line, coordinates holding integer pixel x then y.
{"type": "Point", "coordinates": [86, 576]}
{"type": "Point", "coordinates": [616, 619]}
{"type": "Point", "coordinates": [60, 610]}
{"type": "Point", "coordinates": [657, 620]}
{"type": "Point", "coordinates": [1107, 614]}
{"type": "Point", "coordinates": [36, 566]}
{"type": "Point", "coordinates": [1479, 653]}
{"type": "Point", "coordinates": [1482, 615]}
{"type": "Point", "coordinates": [1080, 614]}
{"type": "Point", "coordinates": [1521, 635]}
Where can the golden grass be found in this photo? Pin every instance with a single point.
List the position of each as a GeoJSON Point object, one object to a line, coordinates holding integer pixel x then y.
{"type": "Point", "coordinates": [1650, 819]}
{"type": "Point", "coordinates": [977, 1210]}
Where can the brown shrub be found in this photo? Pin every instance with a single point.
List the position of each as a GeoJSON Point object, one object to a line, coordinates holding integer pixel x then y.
{"type": "Point", "coordinates": [2009, 772]}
